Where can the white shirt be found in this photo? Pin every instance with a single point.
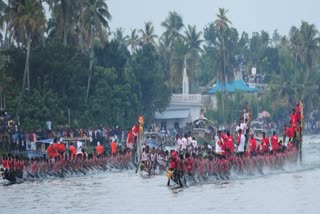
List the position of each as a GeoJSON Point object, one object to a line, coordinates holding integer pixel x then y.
{"type": "Point", "coordinates": [241, 144]}
{"type": "Point", "coordinates": [178, 144]}
{"type": "Point", "coordinates": [194, 143]}
{"type": "Point", "coordinates": [184, 142]}
{"type": "Point", "coordinates": [79, 147]}
{"type": "Point", "coordinates": [218, 148]}
{"type": "Point", "coordinates": [144, 156]}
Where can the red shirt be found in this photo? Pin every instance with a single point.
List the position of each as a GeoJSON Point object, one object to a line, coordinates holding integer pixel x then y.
{"type": "Point", "coordinates": [62, 148]}
{"type": "Point", "coordinates": [5, 164]}
{"type": "Point", "coordinates": [293, 118]}
{"type": "Point", "coordinates": [253, 144]}
{"type": "Point", "coordinates": [290, 132]}
{"type": "Point", "coordinates": [188, 165]}
{"type": "Point", "coordinates": [274, 142]}
{"type": "Point", "coordinates": [73, 150]}
{"type": "Point", "coordinates": [173, 163]}
{"type": "Point", "coordinates": [264, 144]}
{"type": "Point", "coordinates": [51, 151]}
{"type": "Point", "coordinates": [229, 144]}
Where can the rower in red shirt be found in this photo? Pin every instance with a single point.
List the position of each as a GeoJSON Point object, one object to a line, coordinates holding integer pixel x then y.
{"type": "Point", "coordinates": [229, 146]}
{"type": "Point", "coordinates": [293, 117]}
{"type": "Point", "coordinates": [253, 145]}
{"type": "Point", "coordinates": [274, 142]}
{"type": "Point", "coordinates": [264, 144]}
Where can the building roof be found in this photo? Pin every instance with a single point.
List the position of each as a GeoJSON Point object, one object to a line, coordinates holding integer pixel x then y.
{"type": "Point", "coordinates": [236, 85]}
{"type": "Point", "coordinates": [172, 114]}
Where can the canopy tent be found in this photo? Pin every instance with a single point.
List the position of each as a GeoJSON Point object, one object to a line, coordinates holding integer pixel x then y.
{"type": "Point", "coordinates": [231, 87]}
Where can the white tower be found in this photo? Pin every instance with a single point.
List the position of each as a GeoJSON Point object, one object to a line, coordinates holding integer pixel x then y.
{"type": "Point", "coordinates": [185, 79]}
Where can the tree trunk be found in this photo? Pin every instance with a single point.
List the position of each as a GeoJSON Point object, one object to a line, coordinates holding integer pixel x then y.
{"type": "Point", "coordinates": [26, 70]}
{"type": "Point", "coordinates": [65, 35]}
{"type": "Point", "coordinates": [26, 74]}
{"type": "Point", "coordinates": [90, 65]}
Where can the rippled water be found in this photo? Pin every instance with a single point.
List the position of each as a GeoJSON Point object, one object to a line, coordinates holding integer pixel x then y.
{"type": "Point", "coordinates": [294, 191]}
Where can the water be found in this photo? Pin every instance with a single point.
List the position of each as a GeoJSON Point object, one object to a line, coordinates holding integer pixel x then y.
{"type": "Point", "coordinates": [294, 191]}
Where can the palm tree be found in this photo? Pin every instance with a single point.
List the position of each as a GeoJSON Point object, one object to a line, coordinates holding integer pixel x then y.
{"type": "Point", "coordinates": [147, 35]}
{"type": "Point", "coordinates": [222, 24]}
{"type": "Point", "coordinates": [26, 19]}
{"type": "Point", "coordinates": [133, 41]}
{"type": "Point", "coordinates": [63, 12]}
{"type": "Point", "coordinates": [173, 26]}
{"type": "Point", "coordinates": [192, 38]}
{"type": "Point", "coordinates": [118, 36]}
{"type": "Point", "coordinates": [3, 7]}
{"type": "Point", "coordinates": [95, 17]}
{"type": "Point", "coordinates": [310, 42]}
{"type": "Point", "coordinates": [166, 54]}
{"type": "Point", "coordinates": [179, 54]}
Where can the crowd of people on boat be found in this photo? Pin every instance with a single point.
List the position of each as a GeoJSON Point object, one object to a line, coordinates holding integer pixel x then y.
{"type": "Point", "coordinates": [60, 164]}
{"type": "Point", "coordinates": [241, 153]}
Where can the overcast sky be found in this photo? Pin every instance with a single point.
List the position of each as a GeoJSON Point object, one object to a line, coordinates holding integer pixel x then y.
{"type": "Point", "coordinates": [246, 15]}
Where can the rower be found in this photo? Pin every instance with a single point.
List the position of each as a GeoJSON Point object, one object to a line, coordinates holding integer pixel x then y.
{"type": "Point", "coordinates": [274, 143]}
{"type": "Point", "coordinates": [252, 146]}
{"type": "Point", "coordinates": [99, 149]}
{"type": "Point", "coordinates": [264, 144]}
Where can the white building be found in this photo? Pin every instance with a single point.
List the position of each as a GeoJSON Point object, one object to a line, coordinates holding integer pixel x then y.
{"type": "Point", "coordinates": [182, 109]}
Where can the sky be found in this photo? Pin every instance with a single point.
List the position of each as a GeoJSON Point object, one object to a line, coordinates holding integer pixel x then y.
{"type": "Point", "coordinates": [245, 15]}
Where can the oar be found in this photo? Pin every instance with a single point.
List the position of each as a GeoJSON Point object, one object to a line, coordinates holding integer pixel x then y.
{"type": "Point", "coordinates": [137, 169]}
{"type": "Point", "coordinates": [29, 173]}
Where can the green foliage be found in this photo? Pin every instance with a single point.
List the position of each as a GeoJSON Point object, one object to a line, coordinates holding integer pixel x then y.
{"type": "Point", "coordinates": [110, 85]}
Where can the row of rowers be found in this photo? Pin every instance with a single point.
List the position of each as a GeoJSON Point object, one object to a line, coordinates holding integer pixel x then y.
{"type": "Point", "coordinates": [58, 149]}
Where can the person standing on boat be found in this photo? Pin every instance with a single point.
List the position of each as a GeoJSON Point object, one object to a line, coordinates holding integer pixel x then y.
{"type": "Point", "coordinates": [219, 146]}
{"type": "Point", "coordinates": [184, 143]}
{"type": "Point", "coordinates": [241, 144]}
{"type": "Point", "coordinates": [298, 111]}
{"type": "Point", "coordinates": [178, 143]}
{"type": "Point", "coordinates": [79, 149]}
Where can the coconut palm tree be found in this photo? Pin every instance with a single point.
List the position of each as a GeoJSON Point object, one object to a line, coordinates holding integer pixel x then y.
{"type": "Point", "coordinates": [173, 26]}
{"type": "Point", "coordinates": [310, 43]}
{"type": "Point", "coordinates": [95, 18]}
{"type": "Point", "coordinates": [63, 12]}
{"type": "Point", "coordinates": [147, 34]}
{"type": "Point", "coordinates": [3, 7]}
{"type": "Point", "coordinates": [133, 41]}
{"type": "Point", "coordinates": [192, 38]}
{"type": "Point", "coordinates": [166, 54]}
{"type": "Point", "coordinates": [222, 25]}
{"type": "Point", "coordinates": [119, 36]}
{"type": "Point", "coordinates": [26, 20]}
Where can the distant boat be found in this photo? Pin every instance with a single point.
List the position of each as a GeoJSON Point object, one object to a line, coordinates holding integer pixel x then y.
{"type": "Point", "coordinates": [154, 139]}
{"type": "Point", "coordinates": [203, 130]}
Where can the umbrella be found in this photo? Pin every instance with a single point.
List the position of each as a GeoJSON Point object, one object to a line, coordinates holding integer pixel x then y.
{"type": "Point", "coordinates": [265, 114]}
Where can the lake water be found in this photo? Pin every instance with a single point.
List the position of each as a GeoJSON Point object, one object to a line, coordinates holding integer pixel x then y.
{"type": "Point", "coordinates": [296, 190]}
